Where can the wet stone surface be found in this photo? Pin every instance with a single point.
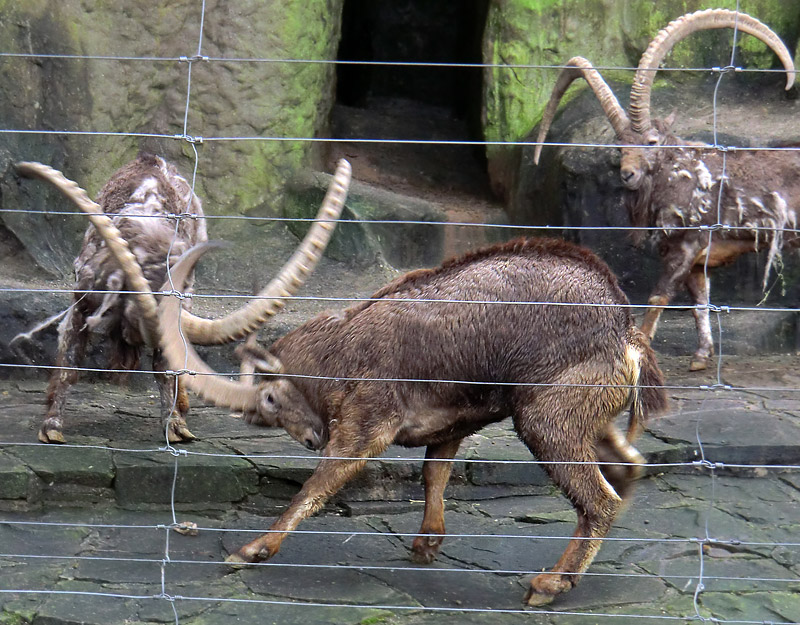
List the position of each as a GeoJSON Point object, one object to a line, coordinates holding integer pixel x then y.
{"type": "Point", "coordinates": [85, 529]}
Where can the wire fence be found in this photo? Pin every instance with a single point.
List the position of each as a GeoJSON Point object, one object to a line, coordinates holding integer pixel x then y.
{"type": "Point", "coordinates": [168, 561]}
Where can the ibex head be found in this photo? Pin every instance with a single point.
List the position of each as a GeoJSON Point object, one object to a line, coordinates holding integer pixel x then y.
{"type": "Point", "coordinates": [640, 152]}
{"type": "Point", "coordinates": [274, 402]}
{"type": "Point", "coordinates": [279, 403]}
{"type": "Point", "coordinates": [638, 134]}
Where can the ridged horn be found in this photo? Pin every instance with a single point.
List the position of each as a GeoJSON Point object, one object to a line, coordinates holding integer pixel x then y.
{"type": "Point", "coordinates": [180, 353]}
{"type": "Point", "coordinates": [272, 298]}
{"type": "Point", "coordinates": [116, 244]}
{"type": "Point", "coordinates": [579, 67]}
{"type": "Point", "coordinates": [679, 29]}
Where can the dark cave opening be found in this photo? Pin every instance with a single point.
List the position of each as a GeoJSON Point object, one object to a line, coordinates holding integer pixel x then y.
{"type": "Point", "coordinates": [406, 101]}
{"type": "Point", "coordinates": [412, 31]}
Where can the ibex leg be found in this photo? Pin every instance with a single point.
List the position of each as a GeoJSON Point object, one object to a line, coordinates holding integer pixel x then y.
{"type": "Point", "coordinates": [174, 402]}
{"type": "Point", "coordinates": [435, 473]}
{"type": "Point", "coordinates": [614, 448]}
{"type": "Point", "coordinates": [697, 282]}
{"type": "Point", "coordinates": [331, 474]}
{"type": "Point", "coordinates": [560, 425]}
{"type": "Point", "coordinates": [72, 338]}
{"type": "Point", "coordinates": [676, 264]}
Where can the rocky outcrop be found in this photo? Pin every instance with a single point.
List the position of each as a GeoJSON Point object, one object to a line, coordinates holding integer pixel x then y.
{"type": "Point", "coordinates": [610, 34]}
{"type": "Point", "coordinates": [580, 186]}
{"type": "Point", "coordinates": [261, 99]}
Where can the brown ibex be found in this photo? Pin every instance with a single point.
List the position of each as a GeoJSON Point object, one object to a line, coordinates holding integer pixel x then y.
{"type": "Point", "coordinates": [438, 354]}
{"type": "Point", "coordinates": [144, 199]}
{"type": "Point", "coordinates": [748, 198]}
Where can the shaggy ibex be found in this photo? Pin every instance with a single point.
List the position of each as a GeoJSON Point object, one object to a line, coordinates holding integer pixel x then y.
{"type": "Point", "coordinates": [419, 365]}
{"type": "Point", "coordinates": [679, 190]}
{"type": "Point", "coordinates": [143, 198]}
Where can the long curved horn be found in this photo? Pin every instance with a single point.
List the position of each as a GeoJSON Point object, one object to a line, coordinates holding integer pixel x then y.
{"type": "Point", "coordinates": [116, 244]}
{"type": "Point", "coordinates": [679, 29]}
{"type": "Point", "coordinates": [579, 67]}
{"type": "Point", "coordinates": [272, 298]}
{"type": "Point", "coordinates": [180, 354]}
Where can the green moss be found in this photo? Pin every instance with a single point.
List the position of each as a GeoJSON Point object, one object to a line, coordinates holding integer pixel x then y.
{"type": "Point", "coordinates": [380, 617]}
{"type": "Point", "coordinates": [12, 619]}
{"type": "Point", "coordinates": [298, 107]}
{"type": "Point", "coordinates": [544, 33]}
{"type": "Point", "coordinates": [16, 617]}
{"type": "Point", "coordinates": [540, 5]}
{"type": "Point", "coordinates": [548, 32]}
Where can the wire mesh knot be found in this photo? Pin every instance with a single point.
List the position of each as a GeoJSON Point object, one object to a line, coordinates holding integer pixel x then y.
{"type": "Point", "coordinates": [175, 452]}
{"type": "Point", "coordinates": [713, 308]}
{"type": "Point", "coordinates": [714, 227]}
{"type": "Point", "coordinates": [181, 216]}
{"type": "Point", "coordinates": [163, 595]}
{"type": "Point", "coordinates": [715, 387]}
{"type": "Point", "coordinates": [189, 138]}
{"type": "Point", "coordinates": [181, 295]}
{"type": "Point", "coordinates": [192, 59]}
{"type": "Point", "coordinates": [180, 372]}
{"type": "Point", "coordinates": [727, 69]}
{"type": "Point", "coordinates": [707, 464]}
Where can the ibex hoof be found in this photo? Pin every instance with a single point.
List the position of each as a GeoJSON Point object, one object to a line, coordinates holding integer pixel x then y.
{"type": "Point", "coordinates": [535, 599]}
{"type": "Point", "coordinates": [178, 432]}
{"type": "Point", "coordinates": [423, 557]}
{"type": "Point", "coordinates": [51, 436]}
{"type": "Point", "coordinates": [545, 587]}
{"type": "Point", "coordinates": [425, 549]}
{"type": "Point", "coordinates": [698, 364]}
{"type": "Point", "coordinates": [236, 561]}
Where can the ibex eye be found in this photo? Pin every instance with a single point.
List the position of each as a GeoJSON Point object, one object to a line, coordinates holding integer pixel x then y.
{"type": "Point", "coordinates": [270, 398]}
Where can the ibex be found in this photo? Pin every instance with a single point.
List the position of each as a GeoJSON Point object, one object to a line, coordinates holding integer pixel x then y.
{"type": "Point", "coordinates": [683, 188]}
{"type": "Point", "coordinates": [435, 356]}
{"type": "Point", "coordinates": [144, 199]}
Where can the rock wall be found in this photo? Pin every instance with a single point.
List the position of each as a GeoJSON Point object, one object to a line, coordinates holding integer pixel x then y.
{"type": "Point", "coordinates": [227, 99]}
{"type": "Point", "coordinates": [264, 99]}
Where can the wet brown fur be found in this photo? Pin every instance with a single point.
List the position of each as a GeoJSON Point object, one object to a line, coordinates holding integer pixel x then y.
{"type": "Point", "coordinates": [577, 368]}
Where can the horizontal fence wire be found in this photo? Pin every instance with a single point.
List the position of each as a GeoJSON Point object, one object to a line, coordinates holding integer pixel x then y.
{"type": "Point", "coordinates": [670, 387]}
{"type": "Point", "coordinates": [694, 464]}
{"type": "Point", "coordinates": [169, 561]}
{"type": "Point", "coordinates": [448, 224]}
{"type": "Point", "coordinates": [405, 300]}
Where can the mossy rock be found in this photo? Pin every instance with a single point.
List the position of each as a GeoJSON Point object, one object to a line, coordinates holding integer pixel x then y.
{"type": "Point", "coordinates": [258, 101]}
{"type": "Point", "coordinates": [360, 238]}
{"type": "Point", "coordinates": [537, 33]}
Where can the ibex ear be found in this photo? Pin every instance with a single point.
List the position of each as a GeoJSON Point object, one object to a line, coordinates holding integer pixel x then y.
{"type": "Point", "coordinates": [261, 359]}
{"type": "Point", "coordinates": [269, 404]}
{"type": "Point", "coordinates": [670, 119]}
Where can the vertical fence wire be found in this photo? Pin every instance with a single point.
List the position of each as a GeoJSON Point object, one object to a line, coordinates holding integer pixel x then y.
{"type": "Point", "coordinates": [707, 538]}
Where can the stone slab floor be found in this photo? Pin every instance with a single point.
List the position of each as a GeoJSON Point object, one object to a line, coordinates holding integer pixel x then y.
{"type": "Point", "coordinates": [712, 533]}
